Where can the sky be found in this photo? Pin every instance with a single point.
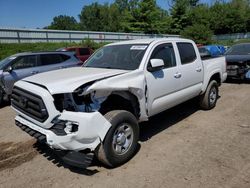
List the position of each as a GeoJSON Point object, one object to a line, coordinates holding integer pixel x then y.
{"type": "Point", "coordinates": [40, 13]}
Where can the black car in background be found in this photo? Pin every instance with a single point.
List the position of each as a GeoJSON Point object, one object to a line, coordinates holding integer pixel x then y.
{"type": "Point", "coordinates": [238, 61]}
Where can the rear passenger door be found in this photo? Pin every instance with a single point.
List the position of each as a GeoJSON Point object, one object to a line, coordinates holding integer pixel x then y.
{"type": "Point", "coordinates": [191, 69]}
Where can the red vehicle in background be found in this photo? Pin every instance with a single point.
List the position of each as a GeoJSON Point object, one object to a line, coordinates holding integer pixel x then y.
{"type": "Point", "coordinates": [82, 53]}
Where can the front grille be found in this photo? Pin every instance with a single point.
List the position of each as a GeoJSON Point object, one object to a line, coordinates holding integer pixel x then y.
{"type": "Point", "coordinates": [29, 103]}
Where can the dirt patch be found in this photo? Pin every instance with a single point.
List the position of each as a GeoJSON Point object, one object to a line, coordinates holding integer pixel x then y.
{"type": "Point", "coordinates": [181, 147]}
{"type": "Point", "coordinates": [14, 154]}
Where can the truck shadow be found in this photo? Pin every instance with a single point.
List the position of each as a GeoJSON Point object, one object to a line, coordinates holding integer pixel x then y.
{"type": "Point", "coordinates": [166, 119]}
{"type": "Point", "coordinates": [4, 104]}
{"type": "Point", "coordinates": [55, 158]}
{"type": "Point", "coordinates": [155, 125]}
{"type": "Point", "coordinates": [237, 81]}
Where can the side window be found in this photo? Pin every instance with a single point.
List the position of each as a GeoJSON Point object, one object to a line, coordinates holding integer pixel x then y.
{"type": "Point", "coordinates": [25, 62]}
{"type": "Point", "coordinates": [187, 52]}
{"type": "Point", "coordinates": [166, 53]}
{"type": "Point", "coordinates": [64, 57]}
{"type": "Point", "coordinates": [84, 51]}
{"type": "Point", "coordinates": [49, 59]}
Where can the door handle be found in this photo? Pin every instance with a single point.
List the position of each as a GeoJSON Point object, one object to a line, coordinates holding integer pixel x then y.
{"type": "Point", "coordinates": [34, 72]}
{"type": "Point", "coordinates": [198, 69]}
{"type": "Point", "coordinates": [177, 75]}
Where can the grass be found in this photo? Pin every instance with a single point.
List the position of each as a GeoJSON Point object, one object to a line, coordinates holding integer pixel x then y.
{"type": "Point", "coordinates": [10, 49]}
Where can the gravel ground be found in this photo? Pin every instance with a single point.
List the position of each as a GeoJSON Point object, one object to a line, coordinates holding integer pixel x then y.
{"type": "Point", "coordinates": [182, 147]}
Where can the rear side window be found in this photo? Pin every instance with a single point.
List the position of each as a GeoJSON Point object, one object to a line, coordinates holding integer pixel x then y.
{"type": "Point", "coordinates": [49, 59]}
{"type": "Point", "coordinates": [187, 52]}
{"type": "Point", "coordinates": [25, 62]}
{"type": "Point", "coordinates": [84, 51]}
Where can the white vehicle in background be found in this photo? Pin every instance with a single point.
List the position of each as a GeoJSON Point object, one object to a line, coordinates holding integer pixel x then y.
{"type": "Point", "coordinates": [95, 109]}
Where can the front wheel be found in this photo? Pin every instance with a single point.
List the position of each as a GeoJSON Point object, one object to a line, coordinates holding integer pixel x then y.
{"type": "Point", "coordinates": [120, 143]}
{"type": "Point", "coordinates": [209, 98]}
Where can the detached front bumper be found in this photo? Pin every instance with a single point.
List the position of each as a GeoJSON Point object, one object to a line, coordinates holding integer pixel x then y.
{"type": "Point", "coordinates": [91, 130]}
{"type": "Point", "coordinates": [65, 130]}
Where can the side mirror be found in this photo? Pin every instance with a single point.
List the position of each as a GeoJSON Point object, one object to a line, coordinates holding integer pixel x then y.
{"type": "Point", "coordinates": [9, 69]}
{"type": "Point", "coordinates": [155, 65]}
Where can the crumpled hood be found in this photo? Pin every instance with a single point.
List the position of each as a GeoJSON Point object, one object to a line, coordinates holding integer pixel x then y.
{"type": "Point", "coordinates": [237, 58]}
{"type": "Point", "coordinates": [67, 80]}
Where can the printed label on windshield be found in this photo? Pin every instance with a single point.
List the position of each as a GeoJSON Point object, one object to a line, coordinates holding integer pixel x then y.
{"type": "Point", "coordinates": [138, 47]}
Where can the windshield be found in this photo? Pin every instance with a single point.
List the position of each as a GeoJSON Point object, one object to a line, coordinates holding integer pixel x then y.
{"type": "Point", "coordinates": [239, 49]}
{"type": "Point", "coordinates": [5, 62]}
{"type": "Point", "coordinates": [126, 57]}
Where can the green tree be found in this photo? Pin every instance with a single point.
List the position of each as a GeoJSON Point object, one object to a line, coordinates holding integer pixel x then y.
{"type": "Point", "coordinates": [199, 15]}
{"type": "Point", "coordinates": [122, 5]}
{"type": "Point", "coordinates": [199, 33]}
{"type": "Point", "coordinates": [145, 16]}
{"type": "Point", "coordinates": [230, 17]}
{"type": "Point", "coordinates": [63, 22]}
{"type": "Point", "coordinates": [179, 15]}
{"type": "Point", "coordinates": [97, 17]}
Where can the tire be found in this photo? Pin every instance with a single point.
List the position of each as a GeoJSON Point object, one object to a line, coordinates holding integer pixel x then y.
{"type": "Point", "coordinates": [209, 98]}
{"type": "Point", "coordinates": [117, 147]}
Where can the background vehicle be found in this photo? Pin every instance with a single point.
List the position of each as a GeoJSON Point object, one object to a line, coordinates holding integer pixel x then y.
{"type": "Point", "coordinates": [95, 109]}
{"type": "Point", "coordinates": [238, 61]}
{"type": "Point", "coordinates": [82, 53]}
{"type": "Point", "coordinates": [21, 65]}
{"type": "Point", "coordinates": [204, 53]}
{"type": "Point", "coordinates": [215, 50]}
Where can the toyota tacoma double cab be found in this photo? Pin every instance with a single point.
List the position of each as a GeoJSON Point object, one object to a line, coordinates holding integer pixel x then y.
{"type": "Point", "coordinates": [94, 110]}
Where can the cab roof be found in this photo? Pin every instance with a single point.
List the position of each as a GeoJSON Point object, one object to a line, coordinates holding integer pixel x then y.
{"type": "Point", "coordinates": [151, 40]}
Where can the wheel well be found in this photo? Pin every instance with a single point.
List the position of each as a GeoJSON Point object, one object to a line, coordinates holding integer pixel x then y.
{"type": "Point", "coordinates": [216, 77]}
{"type": "Point", "coordinates": [121, 101]}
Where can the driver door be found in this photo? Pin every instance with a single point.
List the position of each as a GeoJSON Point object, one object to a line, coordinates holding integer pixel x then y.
{"type": "Point", "coordinates": [163, 84]}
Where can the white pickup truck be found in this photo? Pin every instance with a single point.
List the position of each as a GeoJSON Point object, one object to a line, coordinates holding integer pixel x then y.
{"type": "Point", "coordinates": [94, 110]}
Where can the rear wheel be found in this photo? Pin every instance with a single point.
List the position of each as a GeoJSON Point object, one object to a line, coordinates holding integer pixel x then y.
{"type": "Point", "coordinates": [209, 98]}
{"type": "Point", "coordinates": [121, 140]}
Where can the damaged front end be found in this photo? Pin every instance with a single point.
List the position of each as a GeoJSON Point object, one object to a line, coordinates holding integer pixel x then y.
{"type": "Point", "coordinates": [66, 122]}
{"type": "Point", "coordinates": [74, 122]}
{"type": "Point", "coordinates": [78, 101]}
